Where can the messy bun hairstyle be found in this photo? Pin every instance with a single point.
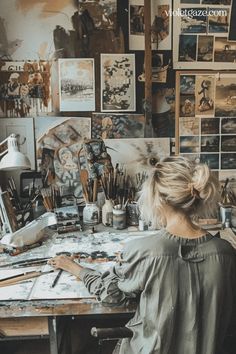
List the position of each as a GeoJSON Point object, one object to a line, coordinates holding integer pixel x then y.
{"type": "Point", "coordinates": [182, 184]}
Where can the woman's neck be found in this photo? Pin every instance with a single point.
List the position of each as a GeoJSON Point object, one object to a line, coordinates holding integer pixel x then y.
{"type": "Point", "coordinates": [179, 224]}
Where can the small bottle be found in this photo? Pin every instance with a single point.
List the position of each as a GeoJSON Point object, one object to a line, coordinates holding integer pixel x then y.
{"type": "Point", "coordinates": [107, 213]}
{"type": "Point", "coordinates": [91, 214]}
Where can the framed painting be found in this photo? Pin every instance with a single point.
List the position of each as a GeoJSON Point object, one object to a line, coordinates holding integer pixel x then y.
{"type": "Point", "coordinates": [206, 117]}
{"type": "Point", "coordinates": [118, 83]}
{"type": "Point", "coordinates": [76, 84]}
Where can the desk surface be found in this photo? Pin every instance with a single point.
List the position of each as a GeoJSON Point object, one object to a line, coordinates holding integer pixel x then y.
{"type": "Point", "coordinates": [36, 298]}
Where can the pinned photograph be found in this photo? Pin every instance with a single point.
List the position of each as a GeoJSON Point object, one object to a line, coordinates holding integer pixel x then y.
{"type": "Point", "coordinates": [76, 84]}
{"type": "Point", "coordinates": [205, 85]}
{"type": "Point", "coordinates": [228, 143]}
{"type": "Point", "coordinates": [228, 126]}
{"type": "Point", "coordinates": [187, 48]}
{"type": "Point", "coordinates": [225, 51]}
{"type": "Point", "coordinates": [187, 106]}
{"type": "Point", "coordinates": [212, 160]}
{"type": "Point", "coordinates": [118, 82]}
{"type": "Point", "coordinates": [210, 126]}
{"type": "Point", "coordinates": [218, 23]}
{"type": "Point", "coordinates": [196, 22]}
{"type": "Point", "coordinates": [115, 126]}
{"type": "Point", "coordinates": [189, 144]}
{"type": "Point", "coordinates": [205, 48]}
{"type": "Point", "coordinates": [210, 143]}
{"type": "Point", "coordinates": [228, 161]}
{"type": "Point", "coordinates": [188, 126]}
{"type": "Point", "coordinates": [225, 96]}
{"type": "Point", "coordinates": [187, 84]}
{"type": "Point", "coordinates": [136, 19]}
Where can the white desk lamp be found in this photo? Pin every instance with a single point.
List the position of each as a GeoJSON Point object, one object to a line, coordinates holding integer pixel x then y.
{"type": "Point", "coordinates": [13, 159]}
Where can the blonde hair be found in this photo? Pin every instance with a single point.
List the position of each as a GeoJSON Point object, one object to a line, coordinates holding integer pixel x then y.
{"type": "Point", "coordinates": [182, 184]}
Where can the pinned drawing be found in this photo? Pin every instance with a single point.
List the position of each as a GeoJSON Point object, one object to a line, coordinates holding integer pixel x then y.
{"type": "Point", "coordinates": [76, 84]}
{"type": "Point", "coordinates": [118, 82]}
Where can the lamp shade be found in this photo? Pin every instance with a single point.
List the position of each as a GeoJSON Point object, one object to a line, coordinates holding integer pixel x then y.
{"type": "Point", "coordinates": [14, 159]}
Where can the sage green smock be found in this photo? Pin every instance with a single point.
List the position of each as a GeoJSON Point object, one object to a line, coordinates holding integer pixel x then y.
{"type": "Point", "coordinates": [186, 290]}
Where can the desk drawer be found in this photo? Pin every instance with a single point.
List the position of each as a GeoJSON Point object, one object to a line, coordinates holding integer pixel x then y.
{"type": "Point", "coordinates": [24, 326]}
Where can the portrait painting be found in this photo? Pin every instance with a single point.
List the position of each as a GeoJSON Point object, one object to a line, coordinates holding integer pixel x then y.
{"type": "Point", "coordinates": [118, 82]}
{"type": "Point", "coordinates": [59, 140]}
{"type": "Point", "coordinates": [76, 84]}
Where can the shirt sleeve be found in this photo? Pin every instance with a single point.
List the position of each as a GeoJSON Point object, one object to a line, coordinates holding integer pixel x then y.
{"type": "Point", "coordinates": [120, 284]}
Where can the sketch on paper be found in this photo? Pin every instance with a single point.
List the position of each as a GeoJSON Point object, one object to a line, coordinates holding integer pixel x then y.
{"type": "Point", "coordinates": [24, 130]}
{"type": "Point", "coordinates": [139, 151]}
{"type": "Point", "coordinates": [188, 126]}
{"type": "Point", "coordinates": [115, 126]}
{"type": "Point", "coordinates": [59, 140]}
{"type": "Point", "coordinates": [118, 82]}
{"type": "Point", "coordinates": [24, 88]}
{"type": "Point", "coordinates": [76, 84]}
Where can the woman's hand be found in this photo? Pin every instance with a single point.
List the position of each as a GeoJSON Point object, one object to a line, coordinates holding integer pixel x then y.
{"type": "Point", "coordinates": [66, 263]}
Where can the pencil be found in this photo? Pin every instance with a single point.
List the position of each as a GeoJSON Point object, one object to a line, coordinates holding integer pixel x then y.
{"type": "Point", "coordinates": [55, 281]}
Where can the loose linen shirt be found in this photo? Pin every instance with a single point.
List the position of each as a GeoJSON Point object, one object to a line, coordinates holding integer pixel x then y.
{"type": "Point", "coordinates": [186, 291]}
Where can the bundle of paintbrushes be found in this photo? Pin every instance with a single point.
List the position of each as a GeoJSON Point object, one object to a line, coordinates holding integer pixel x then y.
{"type": "Point", "coordinates": [120, 187]}
{"type": "Point", "coordinates": [89, 186]}
{"type": "Point", "coordinates": [50, 197]}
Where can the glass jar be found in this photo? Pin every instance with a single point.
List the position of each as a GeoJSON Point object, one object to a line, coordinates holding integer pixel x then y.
{"type": "Point", "coordinates": [107, 212]}
{"type": "Point", "coordinates": [91, 214]}
{"type": "Point", "coordinates": [119, 219]}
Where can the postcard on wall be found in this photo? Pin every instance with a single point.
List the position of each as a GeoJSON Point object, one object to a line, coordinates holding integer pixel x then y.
{"type": "Point", "coordinates": [24, 130]}
{"type": "Point", "coordinates": [59, 140]}
{"type": "Point", "coordinates": [24, 88]}
{"type": "Point", "coordinates": [115, 126]}
{"type": "Point", "coordinates": [118, 82]}
{"type": "Point", "coordinates": [160, 24]}
{"type": "Point", "coordinates": [76, 84]}
{"type": "Point", "coordinates": [206, 120]}
{"type": "Point", "coordinates": [200, 40]}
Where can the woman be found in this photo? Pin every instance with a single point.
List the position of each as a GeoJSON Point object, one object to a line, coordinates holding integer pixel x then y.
{"type": "Point", "coordinates": [183, 277]}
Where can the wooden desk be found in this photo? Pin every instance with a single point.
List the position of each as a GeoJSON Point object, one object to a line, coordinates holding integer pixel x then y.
{"type": "Point", "coordinates": [39, 318]}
